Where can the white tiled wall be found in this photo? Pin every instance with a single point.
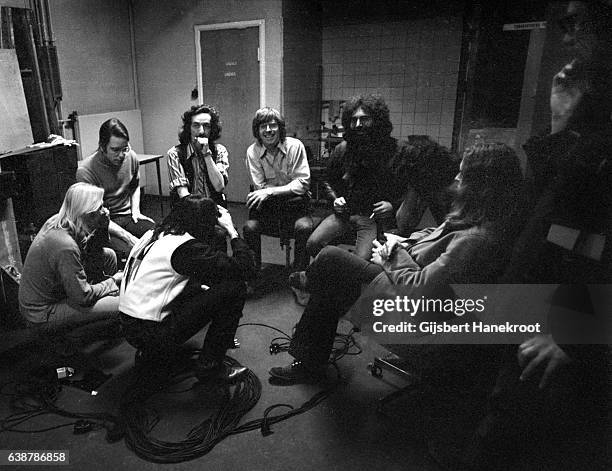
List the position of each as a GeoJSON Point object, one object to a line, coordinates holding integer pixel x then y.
{"type": "Point", "coordinates": [413, 65]}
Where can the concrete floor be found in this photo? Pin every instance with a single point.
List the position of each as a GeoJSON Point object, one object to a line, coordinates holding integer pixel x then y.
{"type": "Point", "coordinates": [345, 432]}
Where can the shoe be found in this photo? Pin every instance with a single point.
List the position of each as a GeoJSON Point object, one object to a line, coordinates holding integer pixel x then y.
{"type": "Point", "coordinates": [298, 280]}
{"type": "Point", "coordinates": [206, 371]}
{"type": "Point", "coordinates": [301, 297]}
{"type": "Point", "coordinates": [296, 373]}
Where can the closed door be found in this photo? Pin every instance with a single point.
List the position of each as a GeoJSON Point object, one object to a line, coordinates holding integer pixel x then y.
{"type": "Point", "coordinates": [230, 78]}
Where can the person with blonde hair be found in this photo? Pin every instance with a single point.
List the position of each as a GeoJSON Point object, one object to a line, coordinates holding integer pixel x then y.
{"type": "Point", "coordinates": [64, 283]}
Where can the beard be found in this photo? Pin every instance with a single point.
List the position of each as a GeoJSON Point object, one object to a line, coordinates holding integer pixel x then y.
{"type": "Point", "coordinates": [367, 148]}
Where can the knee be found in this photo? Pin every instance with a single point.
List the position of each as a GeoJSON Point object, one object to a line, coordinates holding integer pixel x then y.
{"type": "Point", "coordinates": [314, 245]}
{"type": "Point", "coordinates": [252, 226]}
{"type": "Point", "coordinates": [303, 228]}
{"type": "Point", "coordinates": [110, 259]}
{"type": "Point", "coordinates": [328, 255]}
{"type": "Point", "coordinates": [142, 226]}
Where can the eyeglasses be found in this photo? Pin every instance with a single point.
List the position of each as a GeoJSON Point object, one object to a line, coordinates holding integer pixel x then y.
{"type": "Point", "coordinates": [118, 150]}
{"type": "Point", "coordinates": [201, 125]}
{"type": "Point", "coordinates": [363, 120]}
{"type": "Point", "coordinates": [266, 126]}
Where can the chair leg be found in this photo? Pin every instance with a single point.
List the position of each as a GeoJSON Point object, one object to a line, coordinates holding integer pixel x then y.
{"type": "Point", "coordinates": [288, 254]}
{"type": "Point", "coordinates": [376, 369]}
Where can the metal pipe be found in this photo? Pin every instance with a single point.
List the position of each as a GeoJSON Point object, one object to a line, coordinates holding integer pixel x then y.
{"type": "Point", "coordinates": [133, 52]}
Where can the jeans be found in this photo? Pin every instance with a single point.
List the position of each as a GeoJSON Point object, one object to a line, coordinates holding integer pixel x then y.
{"type": "Point", "coordinates": [334, 281]}
{"type": "Point", "coordinates": [335, 226]}
{"type": "Point", "coordinates": [221, 306]}
{"type": "Point", "coordinates": [278, 217]}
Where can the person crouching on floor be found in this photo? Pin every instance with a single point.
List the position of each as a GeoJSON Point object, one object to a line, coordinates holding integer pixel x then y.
{"type": "Point", "coordinates": [64, 283]}
{"type": "Point", "coordinates": [176, 282]}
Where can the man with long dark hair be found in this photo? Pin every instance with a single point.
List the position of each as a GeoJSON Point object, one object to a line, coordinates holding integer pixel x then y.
{"type": "Point", "coordinates": [176, 282]}
{"type": "Point", "coordinates": [198, 164]}
{"type": "Point", "coordinates": [360, 184]}
{"type": "Point", "coordinates": [468, 247]}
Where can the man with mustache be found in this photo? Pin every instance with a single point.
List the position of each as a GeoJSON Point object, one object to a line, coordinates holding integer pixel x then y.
{"type": "Point", "coordinates": [360, 183]}
{"type": "Point", "coordinates": [114, 167]}
{"type": "Point", "coordinates": [198, 165]}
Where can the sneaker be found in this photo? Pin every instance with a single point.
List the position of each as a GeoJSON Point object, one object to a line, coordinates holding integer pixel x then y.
{"type": "Point", "coordinates": [301, 296]}
{"type": "Point", "coordinates": [298, 280]}
{"type": "Point", "coordinates": [296, 373]}
{"type": "Point", "coordinates": [210, 370]}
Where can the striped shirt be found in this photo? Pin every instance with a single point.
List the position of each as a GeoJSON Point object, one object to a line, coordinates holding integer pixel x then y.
{"type": "Point", "coordinates": [176, 172]}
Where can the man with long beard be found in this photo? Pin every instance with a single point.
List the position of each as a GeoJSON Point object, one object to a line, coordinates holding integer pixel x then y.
{"type": "Point", "coordinates": [360, 182]}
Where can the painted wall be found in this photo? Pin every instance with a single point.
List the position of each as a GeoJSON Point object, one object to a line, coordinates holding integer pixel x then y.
{"type": "Point", "coordinates": [302, 71]}
{"type": "Point", "coordinates": [412, 64]}
{"type": "Point", "coordinates": [166, 64]}
{"type": "Point", "coordinates": [94, 53]}
{"type": "Point", "coordinates": [13, 3]}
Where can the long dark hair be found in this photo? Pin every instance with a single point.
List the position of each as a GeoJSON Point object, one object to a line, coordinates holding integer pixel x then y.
{"type": "Point", "coordinates": [215, 124]}
{"type": "Point", "coordinates": [375, 107]}
{"type": "Point", "coordinates": [424, 164]}
{"type": "Point", "coordinates": [491, 185]}
{"type": "Point", "coordinates": [193, 214]}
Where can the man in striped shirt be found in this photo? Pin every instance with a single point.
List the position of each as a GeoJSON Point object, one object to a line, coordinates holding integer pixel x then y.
{"type": "Point", "coordinates": [198, 165]}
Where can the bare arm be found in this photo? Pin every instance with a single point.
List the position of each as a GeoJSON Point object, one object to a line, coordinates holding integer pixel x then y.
{"type": "Point", "coordinates": [116, 230]}
{"type": "Point", "coordinates": [176, 174]}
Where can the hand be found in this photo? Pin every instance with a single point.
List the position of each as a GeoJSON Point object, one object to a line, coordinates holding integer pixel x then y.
{"type": "Point", "coordinates": [256, 198]}
{"type": "Point", "coordinates": [381, 208]}
{"type": "Point", "coordinates": [138, 216]}
{"type": "Point", "coordinates": [340, 205]}
{"type": "Point", "coordinates": [541, 352]}
{"type": "Point", "coordinates": [384, 251]}
{"type": "Point", "coordinates": [565, 96]}
{"type": "Point", "coordinates": [130, 239]}
{"type": "Point", "coordinates": [118, 277]}
{"type": "Point", "coordinates": [201, 144]}
{"type": "Point", "coordinates": [226, 223]}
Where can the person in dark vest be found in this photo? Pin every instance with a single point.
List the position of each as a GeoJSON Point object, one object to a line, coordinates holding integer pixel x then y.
{"type": "Point", "coordinates": [198, 164]}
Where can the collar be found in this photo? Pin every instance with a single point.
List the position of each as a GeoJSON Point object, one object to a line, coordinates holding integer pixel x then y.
{"type": "Point", "coordinates": [190, 150]}
{"type": "Point", "coordinates": [261, 150]}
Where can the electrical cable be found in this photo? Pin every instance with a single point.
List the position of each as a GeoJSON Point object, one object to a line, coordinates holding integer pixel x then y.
{"type": "Point", "coordinates": [34, 397]}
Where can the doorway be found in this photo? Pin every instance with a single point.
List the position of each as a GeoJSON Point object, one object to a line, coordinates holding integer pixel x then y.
{"type": "Point", "coordinates": [231, 66]}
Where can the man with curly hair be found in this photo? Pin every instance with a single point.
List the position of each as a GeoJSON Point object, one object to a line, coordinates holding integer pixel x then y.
{"type": "Point", "coordinates": [360, 182]}
{"type": "Point", "coordinates": [198, 165]}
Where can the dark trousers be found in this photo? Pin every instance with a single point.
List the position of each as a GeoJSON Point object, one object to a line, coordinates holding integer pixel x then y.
{"type": "Point", "coordinates": [281, 216]}
{"type": "Point", "coordinates": [334, 281]}
{"type": "Point", "coordinates": [137, 229]}
{"type": "Point", "coordinates": [221, 306]}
